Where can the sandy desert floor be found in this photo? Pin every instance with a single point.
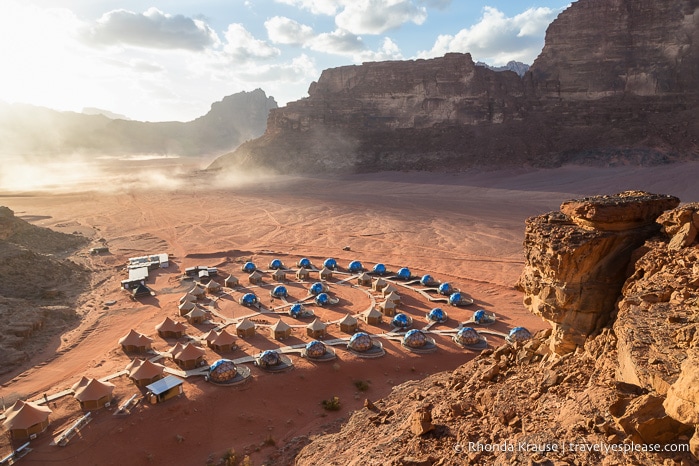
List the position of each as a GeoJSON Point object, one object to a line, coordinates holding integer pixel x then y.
{"type": "Point", "coordinates": [464, 228]}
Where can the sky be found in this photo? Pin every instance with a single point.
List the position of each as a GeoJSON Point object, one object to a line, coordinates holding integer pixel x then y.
{"type": "Point", "coordinates": [169, 60]}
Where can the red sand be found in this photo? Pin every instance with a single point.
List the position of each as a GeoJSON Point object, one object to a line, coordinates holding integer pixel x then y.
{"type": "Point", "coordinates": [466, 229]}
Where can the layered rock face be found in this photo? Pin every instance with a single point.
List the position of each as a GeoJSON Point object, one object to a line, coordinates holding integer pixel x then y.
{"type": "Point", "coordinates": [577, 259]}
{"type": "Point", "coordinates": [613, 84]}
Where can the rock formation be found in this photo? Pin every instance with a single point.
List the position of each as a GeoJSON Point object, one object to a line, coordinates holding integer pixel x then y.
{"type": "Point", "coordinates": [613, 84]}
{"type": "Point", "coordinates": [576, 260]}
{"type": "Point", "coordinates": [629, 390]}
{"type": "Point", "coordinates": [230, 122]}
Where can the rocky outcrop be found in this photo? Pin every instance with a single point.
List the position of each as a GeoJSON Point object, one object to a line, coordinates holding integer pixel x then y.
{"type": "Point", "coordinates": [576, 260]}
{"type": "Point", "coordinates": [230, 122]}
{"type": "Point", "coordinates": [632, 382]}
{"type": "Point", "coordinates": [614, 84]}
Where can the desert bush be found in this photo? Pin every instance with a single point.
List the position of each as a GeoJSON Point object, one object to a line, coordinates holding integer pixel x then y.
{"type": "Point", "coordinates": [362, 385]}
{"type": "Point", "coordinates": [331, 404]}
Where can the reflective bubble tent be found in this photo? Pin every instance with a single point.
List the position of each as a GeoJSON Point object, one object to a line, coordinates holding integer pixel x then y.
{"type": "Point", "coordinates": [226, 372]}
{"type": "Point", "coordinates": [276, 264]}
{"type": "Point", "coordinates": [317, 288]}
{"type": "Point", "coordinates": [317, 350]}
{"type": "Point", "coordinates": [304, 262]}
{"type": "Point", "coordinates": [483, 317]}
{"type": "Point", "coordinates": [427, 280]}
{"type": "Point", "coordinates": [249, 267]}
{"type": "Point", "coordinates": [248, 299]}
{"type": "Point", "coordinates": [417, 341]}
{"type": "Point", "coordinates": [279, 291]}
{"type": "Point", "coordinates": [273, 361]}
{"type": "Point", "coordinates": [468, 337]}
{"type": "Point", "coordinates": [518, 335]}
{"type": "Point", "coordinates": [445, 289]}
{"type": "Point", "coordinates": [403, 273]}
{"type": "Point", "coordinates": [379, 269]}
{"type": "Point", "coordinates": [437, 314]}
{"type": "Point", "coordinates": [355, 266]}
{"type": "Point", "coordinates": [322, 299]}
{"type": "Point", "coordinates": [298, 310]}
{"type": "Point", "coordinates": [402, 321]}
{"type": "Point", "coordinates": [330, 263]}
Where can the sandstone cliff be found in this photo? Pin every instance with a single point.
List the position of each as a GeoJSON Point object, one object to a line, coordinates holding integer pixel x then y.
{"type": "Point", "coordinates": [631, 379]}
{"type": "Point", "coordinates": [26, 130]}
{"type": "Point", "coordinates": [613, 84]}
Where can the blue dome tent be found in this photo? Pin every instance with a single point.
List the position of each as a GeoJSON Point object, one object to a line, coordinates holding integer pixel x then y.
{"type": "Point", "coordinates": [249, 267]}
{"type": "Point", "coordinates": [455, 299]}
{"type": "Point", "coordinates": [315, 349]}
{"type": "Point", "coordinates": [304, 263]}
{"type": "Point", "coordinates": [415, 338]}
{"type": "Point", "coordinates": [276, 264]}
{"type": "Point", "coordinates": [445, 289]}
{"type": "Point", "coordinates": [379, 269]}
{"type": "Point", "coordinates": [330, 263]}
{"type": "Point", "coordinates": [437, 315]}
{"type": "Point", "coordinates": [317, 288]}
{"type": "Point", "coordinates": [401, 320]}
{"type": "Point", "coordinates": [403, 273]}
{"type": "Point", "coordinates": [248, 299]}
{"type": "Point", "coordinates": [355, 266]}
{"type": "Point", "coordinates": [279, 291]}
{"type": "Point", "coordinates": [518, 335]}
{"type": "Point", "coordinates": [360, 342]}
{"type": "Point", "coordinates": [322, 299]}
{"type": "Point", "coordinates": [427, 280]}
{"type": "Point", "coordinates": [468, 336]}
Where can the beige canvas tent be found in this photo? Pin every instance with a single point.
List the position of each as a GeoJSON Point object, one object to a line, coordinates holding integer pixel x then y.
{"type": "Point", "coordinates": [349, 324]}
{"type": "Point", "coordinates": [316, 329]}
{"type": "Point", "coordinates": [231, 282]}
{"type": "Point", "coordinates": [197, 291]}
{"type": "Point", "coordinates": [325, 273]}
{"type": "Point", "coordinates": [379, 284]}
{"type": "Point", "coordinates": [189, 356]}
{"type": "Point", "coordinates": [144, 372]}
{"type": "Point", "coordinates": [393, 297]}
{"type": "Point", "coordinates": [188, 297]}
{"type": "Point", "coordinates": [364, 279]}
{"type": "Point", "coordinates": [245, 328]}
{"type": "Point", "coordinates": [213, 287]}
{"type": "Point", "coordinates": [388, 289]}
{"type": "Point", "coordinates": [222, 342]}
{"type": "Point", "coordinates": [135, 342]}
{"type": "Point", "coordinates": [280, 330]}
{"type": "Point", "coordinates": [255, 278]}
{"type": "Point", "coordinates": [168, 328]}
{"type": "Point", "coordinates": [185, 307]}
{"type": "Point", "coordinates": [302, 274]}
{"type": "Point", "coordinates": [388, 308]}
{"type": "Point", "coordinates": [372, 316]}
{"type": "Point", "coordinates": [94, 394]}
{"type": "Point", "coordinates": [279, 275]}
{"type": "Point", "coordinates": [197, 315]}
{"type": "Point", "coordinates": [25, 418]}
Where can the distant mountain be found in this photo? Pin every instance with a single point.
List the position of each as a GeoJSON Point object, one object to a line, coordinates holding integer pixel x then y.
{"type": "Point", "coordinates": [516, 66]}
{"type": "Point", "coordinates": [29, 130]}
{"type": "Point", "coordinates": [107, 113]}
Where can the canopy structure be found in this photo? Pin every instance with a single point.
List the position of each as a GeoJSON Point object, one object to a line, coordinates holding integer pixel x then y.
{"type": "Point", "coordinates": [25, 418]}
{"type": "Point", "coordinates": [135, 342]}
{"type": "Point", "coordinates": [189, 357]}
{"type": "Point", "coordinates": [168, 328]}
{"type": "Point", "coordinates": [348, 324]}
{"type": "Point", "coordinates": [316, 329]}
{"type": "Point", "coordinates": [94, 394]}
{"type": "Point", "coordinates": [222, 341]}
{"type": "Point", "coordinates": [143, 372]}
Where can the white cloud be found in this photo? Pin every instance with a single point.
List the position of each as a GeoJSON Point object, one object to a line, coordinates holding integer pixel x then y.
{"type": "Point", "coordinates": [379, 16]}
{"type": "Point", "coordinates": [389, 50]}
{"type": "Point", "coordinates": [281, 30]}
{"type": "Point", "coordinates": [241, 45]}
{"type": "Point", "coordinates": [497, 38]}
{"type": "Point", "coordinates": [151, 29]}
{"type": "Point", "coordinates": [339, 42]}
{"type": "Point", "coordinates": [317, 7]}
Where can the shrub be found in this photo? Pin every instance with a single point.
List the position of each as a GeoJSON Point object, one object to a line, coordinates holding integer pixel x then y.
{"type": "Point", "coordinates": [332, 404]}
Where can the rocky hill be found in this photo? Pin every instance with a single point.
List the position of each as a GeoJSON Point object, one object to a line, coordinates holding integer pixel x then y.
{"type": "Point", "coordinates": [37, 283]}
{"type": "Point", "coordinates": [26, 130]}
{"type": "Point", "coordinates": [613, 84]}
{"type": "Point", "coordinates": [609, 384]}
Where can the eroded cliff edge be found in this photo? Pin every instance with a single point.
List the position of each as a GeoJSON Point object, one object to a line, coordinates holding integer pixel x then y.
{"type": "Point", "coordinates": [614, 84]}
{"type": "Point", "coordinates": [626, 384]}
